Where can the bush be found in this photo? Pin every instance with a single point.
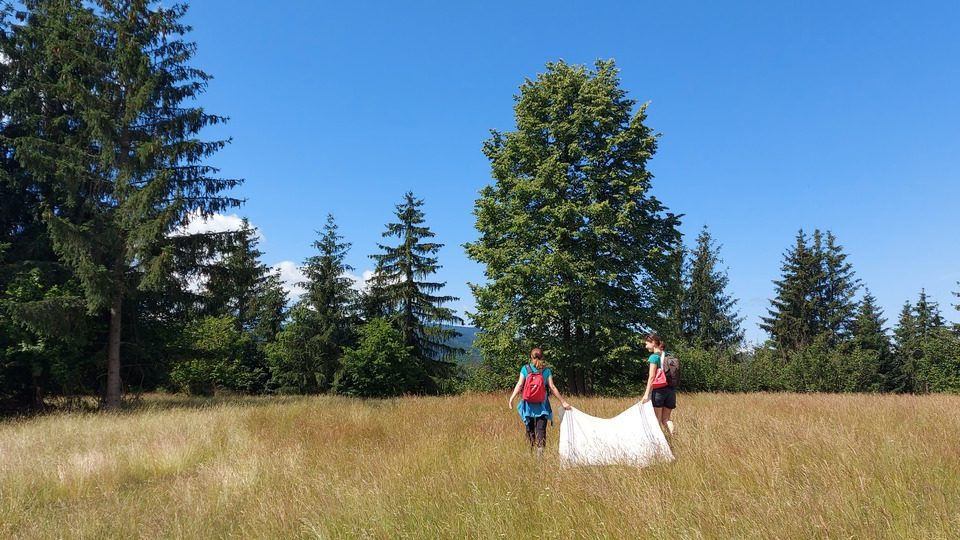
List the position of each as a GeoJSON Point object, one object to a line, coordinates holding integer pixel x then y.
{"type": "Point", "coordinates": [217, 359]}
{"type": "Point", "coordinates": [380, 365]}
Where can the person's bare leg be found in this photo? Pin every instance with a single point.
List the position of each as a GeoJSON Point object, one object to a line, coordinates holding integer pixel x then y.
{"type": "Point", "coordinates": [665, 420]}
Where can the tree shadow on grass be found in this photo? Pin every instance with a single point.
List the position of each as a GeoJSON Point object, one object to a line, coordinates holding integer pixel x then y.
{"type": "Point", "coordinates": [165, 402]}
{"type": "Point", "coordinates": [153, 401]}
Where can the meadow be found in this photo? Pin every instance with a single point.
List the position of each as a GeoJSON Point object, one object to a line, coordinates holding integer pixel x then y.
{"type": "Point", "coordinates": [748, 466]}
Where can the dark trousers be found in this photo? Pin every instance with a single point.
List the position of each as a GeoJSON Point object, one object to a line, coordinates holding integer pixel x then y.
{"type": "Point", "coordinates": [537, 431]}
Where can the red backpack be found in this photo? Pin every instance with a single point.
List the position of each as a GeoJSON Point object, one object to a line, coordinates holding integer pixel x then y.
{"type": "Point", "coordinates": [534, 390]}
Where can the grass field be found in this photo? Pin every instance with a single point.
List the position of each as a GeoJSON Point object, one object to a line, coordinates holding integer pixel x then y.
{"type": "Point", "coordinates": [748, 466]}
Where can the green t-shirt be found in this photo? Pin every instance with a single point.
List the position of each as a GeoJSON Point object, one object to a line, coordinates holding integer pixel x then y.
{"type": "Point", "coordinates": [654, 359]}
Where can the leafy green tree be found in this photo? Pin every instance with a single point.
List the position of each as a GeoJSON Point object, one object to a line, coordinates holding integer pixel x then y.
{"type": "Point", "coordinates": [115, 139]}
{"type": "Point", "coordinates": [401, 279]}
{"type": "Point", "coordinates": [574, 246]}
{"type": "Point", "coordinates": [239, 285]}
{"type": "Point", "coordinates": [709, 317]}
{"type": "Point", "coordinates": [940, 369]}
{"type": "Point", "coordinates": [307, 354]}
{"type": "Point", "coordinates": [217, 359]}
{"type": "Point", "coordinates": [381, 365]}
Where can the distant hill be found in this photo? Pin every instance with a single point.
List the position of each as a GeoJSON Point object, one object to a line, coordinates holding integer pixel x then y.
{"type": "Point", "coordinates": [467, 336]}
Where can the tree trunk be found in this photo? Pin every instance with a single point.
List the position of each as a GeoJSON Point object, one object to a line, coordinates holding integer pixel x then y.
{"type": "Point", "coordinates": [37, 403]}
{"type": "Point", "coordinates": [112, 400]}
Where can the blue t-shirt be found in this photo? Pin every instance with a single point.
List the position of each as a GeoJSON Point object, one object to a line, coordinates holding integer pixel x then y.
{"type": "Point", "coordinates": [534, 410]}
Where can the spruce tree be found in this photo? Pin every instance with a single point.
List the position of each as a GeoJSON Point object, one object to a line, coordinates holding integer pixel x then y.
{"type": "Point", "coordinates": [116, 141]}
{"type": "Point", "coordinates": [906, 338]}
{"type": "Point", "coordinates": [868, 330]}
{"type": "Point", "coordinates": [239, 285]}
{"type": "Point", "coordinates": [308, 351]}
{"type": "Point", "coordinates": [932, 367]}
{"type": "Point", "coordinates": [836, 298]}
{"type": "Point", "coordinates": [927, 315]}
{"type": "Point", "coordinates": [791, 322]}
{"type": "Point", "coordinates": [234, 276]}
{"type": "Point", "coordinates": [401, 278]}
{"type": "Point", "coordinates": [45, 331]}
{"type": "Point", "coordinates": [574, 247]}
{"type": "Point", "coordinates": [670, 296]}
{"type": "Point", "coordinates": [709, 319]}
{"type": "Point", "coordinates": [869, 335]}
{"type": "Point", "coordinates": [814, 299]}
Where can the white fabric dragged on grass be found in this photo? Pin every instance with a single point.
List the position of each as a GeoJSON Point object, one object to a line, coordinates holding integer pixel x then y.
{"type": "Point", "coordinates": [633, 437]}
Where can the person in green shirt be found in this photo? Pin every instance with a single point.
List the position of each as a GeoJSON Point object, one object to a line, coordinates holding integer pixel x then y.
{"type": "Point", "coordinates": [664, 399]}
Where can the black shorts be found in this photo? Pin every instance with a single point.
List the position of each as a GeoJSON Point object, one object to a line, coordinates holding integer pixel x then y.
{"type": "Point", "coordinates": [664, 397]}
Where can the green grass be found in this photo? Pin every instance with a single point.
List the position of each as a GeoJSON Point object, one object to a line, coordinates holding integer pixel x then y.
{"type": "Point", "coordinates": [748, 466]}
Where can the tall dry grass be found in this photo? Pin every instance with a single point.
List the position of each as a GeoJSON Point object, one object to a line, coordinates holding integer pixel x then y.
{"type": "Point", "coordinates": [748, 466]}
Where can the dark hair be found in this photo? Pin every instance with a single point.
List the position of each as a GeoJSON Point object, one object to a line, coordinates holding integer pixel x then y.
{"type": "Point", "coordinates": [654, 338]}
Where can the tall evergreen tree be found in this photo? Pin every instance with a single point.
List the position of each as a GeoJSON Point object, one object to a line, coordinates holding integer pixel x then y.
{"type": "Point", "coordinates": [241, 289]}
{"type": "Point", "coordinates": [670, 295]}
{"type": "Point", "coordinates": [234, 276]}
{"type": "Point", "coordinates": [814, 299]}
{"type": "Point", "coordinates": [906, 337]}
{"type": "Point", "coordinates": [116, 140]}
{"type": "Point", "coordinates": [44, 330]}
{"type": "Point", "coordinates": [927, 315]}
{"type": "Point", "coordinates": [870, 335]}
{"type": "Point", "coordinates": [835, 301]}
{"type": "Point", "coordinates": [868, 328]}
{"type": "Point", "coordinates": [791, 322]}
{"type": "Point", "coordinates": [709, 319]}
{"type": "Point", "coordinates": [308, 351]}
{"type": "Point", "coordinates": [573, 244]}
{"type": "Point", "coordinates": [401, 277]}
{"type": "Point", "coordinates": [918, 330]}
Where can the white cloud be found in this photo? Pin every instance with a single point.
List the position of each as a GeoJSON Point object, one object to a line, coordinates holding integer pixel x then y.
{"type": "Point", "coordinates": [214, 223]}
{"type": "Point", "coordinates": [291, 274]}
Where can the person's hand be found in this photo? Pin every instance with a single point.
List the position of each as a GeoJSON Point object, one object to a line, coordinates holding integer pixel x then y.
{"type": "Point", "coordinates": [566, 405]}
{"type": "Point", "coordinates": [644, 399]}
{"type": "Point", "coordinates": [510, 405]}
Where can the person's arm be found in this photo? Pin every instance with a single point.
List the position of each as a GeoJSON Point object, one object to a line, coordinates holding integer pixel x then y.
{"type": "Point", "coordinates": [650, 376]}
{"type": "Point", "coordinates": [554, 391]}
{"type": "Point", "coordinates": [516, 390]}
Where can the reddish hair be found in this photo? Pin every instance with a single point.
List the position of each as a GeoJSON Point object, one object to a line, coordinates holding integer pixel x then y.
{"type": "Point", "coordinates": [654, 338]}
{"type": "Point", "coordinates": [536, 358]}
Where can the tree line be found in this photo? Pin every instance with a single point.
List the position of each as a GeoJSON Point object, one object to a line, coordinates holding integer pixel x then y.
{"type": "Point", "coordinates": [582, 259]}
{"type": "Point", "coordinates": [104, 290]}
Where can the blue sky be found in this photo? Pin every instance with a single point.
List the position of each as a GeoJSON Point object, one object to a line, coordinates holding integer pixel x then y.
{"type": "Point", "coordinates": [774, 116]}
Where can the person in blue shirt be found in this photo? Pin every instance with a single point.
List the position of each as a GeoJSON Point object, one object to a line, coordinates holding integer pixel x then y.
{"type": "Point", "coordinates": [664, 399]}
{"type": "Point", "coordinates": [535, 415]}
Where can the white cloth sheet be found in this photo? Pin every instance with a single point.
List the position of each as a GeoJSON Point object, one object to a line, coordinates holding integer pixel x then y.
{"type": "Point", "coordinates": [633, 437]}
